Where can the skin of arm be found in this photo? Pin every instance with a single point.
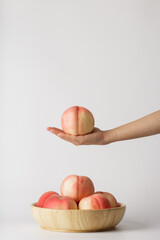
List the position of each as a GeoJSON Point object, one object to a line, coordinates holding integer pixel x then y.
{"type": "Point", "coordinates": [146, 126]}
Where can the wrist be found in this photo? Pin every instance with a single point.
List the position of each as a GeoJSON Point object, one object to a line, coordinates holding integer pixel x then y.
{"type": "Point", "coordinates": [109, 136]}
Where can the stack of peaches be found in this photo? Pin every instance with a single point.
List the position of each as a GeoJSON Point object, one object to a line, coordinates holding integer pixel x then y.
{"type": "Point", "coordinates": [77, 192]}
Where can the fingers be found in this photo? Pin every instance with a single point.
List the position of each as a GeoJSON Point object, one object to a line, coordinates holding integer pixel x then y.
{"type": "Point", "coordinates": [54, 130]}
{"type": "Point", "coordinates": [69, 138]}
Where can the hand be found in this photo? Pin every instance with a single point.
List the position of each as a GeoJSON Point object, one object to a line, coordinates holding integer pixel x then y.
{"type": "Point", "coordinates": [97, 137]}
{"type": "Point", "coordinates": [146, 126]}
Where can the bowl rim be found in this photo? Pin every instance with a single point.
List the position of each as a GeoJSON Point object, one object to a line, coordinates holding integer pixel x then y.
{"type": "Point", "coordinates": [120, 206]}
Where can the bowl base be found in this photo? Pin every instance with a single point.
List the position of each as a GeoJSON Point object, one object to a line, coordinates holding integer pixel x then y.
{"type": "Point", "coordinates": [77, 231]}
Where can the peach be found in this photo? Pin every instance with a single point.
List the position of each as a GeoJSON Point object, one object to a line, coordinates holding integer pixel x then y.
{"type": "Point", "coordinates": [77, 187]}
{"type": "Point", "coordinates": [95, 201]}
{"type": "Point", "coordinates": [110, 197]}
{"type": "Point", "coordinates": [59, 202]}
{"type": "Point", "coordinates": [77, 121]}
{"type": "Point", "coordinates": [44, 196]}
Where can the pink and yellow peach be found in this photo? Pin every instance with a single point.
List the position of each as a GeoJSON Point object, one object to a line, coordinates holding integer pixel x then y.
{"type": "Point", "coordinates": [77, 187]}
{"type": "Point", "coordinates": [95, 201]}
{"type": "Point", "coordinates": [110, 197]}
{"type": "Point", "coordinates": [44, 197]}
{"type": "Point", "coordinates": [59, 202]}
{"type": "Point", "coordinates": [77, 121]}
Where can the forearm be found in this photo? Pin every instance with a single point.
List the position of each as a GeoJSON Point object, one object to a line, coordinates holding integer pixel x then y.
{"type": "Point", "coordinates": [146, 126]}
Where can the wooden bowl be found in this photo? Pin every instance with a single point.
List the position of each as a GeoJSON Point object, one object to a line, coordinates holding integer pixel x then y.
{"type": "Point", "coordinates": [77, 220]}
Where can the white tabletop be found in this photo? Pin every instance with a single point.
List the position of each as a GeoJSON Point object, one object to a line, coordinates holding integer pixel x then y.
{"type": "Point", "coordinates": [126, 230]}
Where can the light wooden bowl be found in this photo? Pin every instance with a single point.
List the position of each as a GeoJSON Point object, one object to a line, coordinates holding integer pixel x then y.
{"type": "Point", "coordinates": [77, 220]}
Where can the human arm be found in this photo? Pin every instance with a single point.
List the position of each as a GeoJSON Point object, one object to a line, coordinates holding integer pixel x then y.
{"type": "Point", "coordinates": [143, 127]}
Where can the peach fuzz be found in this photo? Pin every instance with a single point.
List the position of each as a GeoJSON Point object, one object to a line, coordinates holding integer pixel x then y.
{"type": "Point", "coordinates": [44, 196]}
{"type": "Point", "coordinates": [110, 197]}
{"type": "Point", "coordinates": [59, 202]}
{"type": "Point", "coordinates": [77, 187]}
{"type": "Point", "coordinates": [77, 121]}
{"type": "Point", "coordinates": [95, 201]}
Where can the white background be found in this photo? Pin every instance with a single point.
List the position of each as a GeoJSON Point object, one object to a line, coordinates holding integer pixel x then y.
{"type": "Point", "coordinates": [100, 54]}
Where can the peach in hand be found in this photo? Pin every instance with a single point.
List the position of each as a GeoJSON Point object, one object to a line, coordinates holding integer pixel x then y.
{"type": "Point", "coordinates": [59, 202]}
{"type": "Point", "coordinates": [77, 121]}
{"type": "Point", "coordinates": [110, 197]}
{"type": "Point", "coordinates": [95, 201]}
{"type": "Point", "coordinates": [44, 196]}
{"type": "Point", "coordinates": [77, 187]}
